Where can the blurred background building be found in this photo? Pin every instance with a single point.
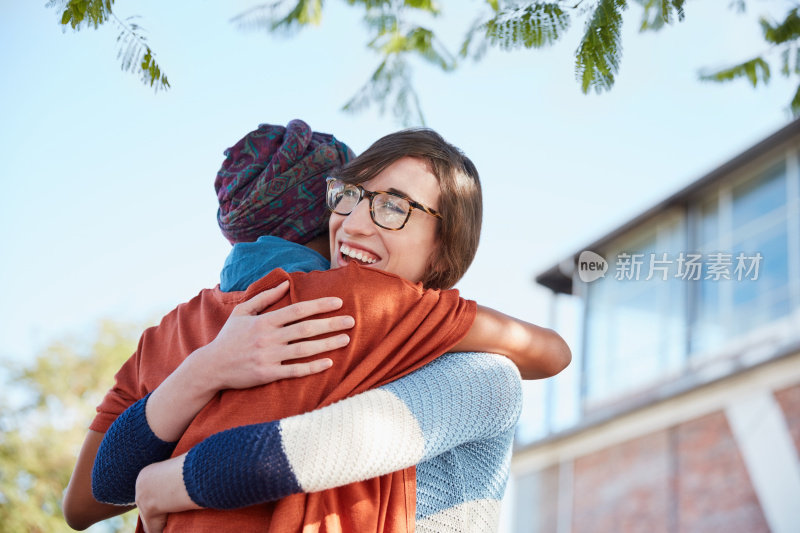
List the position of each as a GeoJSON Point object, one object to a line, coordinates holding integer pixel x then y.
{"type": "Point", "coordinates": [681, 409]}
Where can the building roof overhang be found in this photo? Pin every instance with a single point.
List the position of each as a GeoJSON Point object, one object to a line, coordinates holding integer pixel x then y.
{"type": "Point", "coordinates": [558, 278]}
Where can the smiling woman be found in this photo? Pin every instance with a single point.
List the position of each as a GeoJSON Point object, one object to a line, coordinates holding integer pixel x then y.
{"type": "Point", "coordinates": [440, 235]}
{"type": "Point", "coordinates": [357, 236]}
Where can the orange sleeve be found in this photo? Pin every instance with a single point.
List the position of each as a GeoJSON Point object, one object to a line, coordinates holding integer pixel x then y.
{"type": "Point", "coordinates": [162, 349]}
{"type": "Point", "coordinates": [122, 395]}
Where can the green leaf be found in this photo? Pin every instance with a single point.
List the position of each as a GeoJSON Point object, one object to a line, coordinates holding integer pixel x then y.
{"type": "Point", "coordinates": [795, 105]}
{"type": "Point", "coordinates": [422, 5]}
{"type": "Point", "coordinates": [424, 43]}
{"type": "Point", "coordinates": [304, 13]}
{"type": "Point", "coordinates": [533, 26]}
{"type": "Point", "coordinates": [131, 43]}
{"type": "Point", "coordinates": [788, 30]}
{"type": "Point", "coordinates": [390, 81]}
{"type": "Point", "coordinates": [785, 70]}
{"type": "Point", "coordinates": [79, 13]}
{"type": "Point", "coordinates": [371, 4]}
{"type": "Point", "coordinates": [754, 70]}
{"type": "Point", "coordinates": [480, 50]}
{"type": "Point", "coordinates": [797, 60]}
{"type": "Point", "coordinates": [274, 18]}
{"type": "Point", "coordinates": [427, 6]}
{"type": "Point", "coordinates": [657, 13]}
{"type": "Point", "coordinates": [382, 23]}
{"type": "Point", "coordinates": [598, 55]}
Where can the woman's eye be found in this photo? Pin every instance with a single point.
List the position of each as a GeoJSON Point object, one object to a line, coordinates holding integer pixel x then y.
{"type": "Point", "coordinates": [393, 205]}
{"type": "Point", "coordinates": [396, 207]}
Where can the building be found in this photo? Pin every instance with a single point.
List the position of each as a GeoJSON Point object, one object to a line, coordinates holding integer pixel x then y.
{"type": "Point", "coordinates": [681, 409]}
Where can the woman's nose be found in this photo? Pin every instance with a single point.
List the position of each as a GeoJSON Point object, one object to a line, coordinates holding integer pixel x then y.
{"type": "Point", "coordinates": [359, 221]}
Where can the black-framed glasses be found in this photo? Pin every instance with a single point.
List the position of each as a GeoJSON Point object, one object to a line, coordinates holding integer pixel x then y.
{"type": "Point", "coordinates": [389, 210]}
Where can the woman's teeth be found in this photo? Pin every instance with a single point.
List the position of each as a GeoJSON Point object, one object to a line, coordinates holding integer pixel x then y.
{"type": "Point", "coordinates": [360, 255]}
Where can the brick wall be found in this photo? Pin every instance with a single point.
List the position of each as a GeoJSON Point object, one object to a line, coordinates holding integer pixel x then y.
{"type": "Point", "coordinates": [689, 478]}
{"type": "Point", "coordinates": [625, 488]}
{"type": "Point", "coordinates": [713, 488]}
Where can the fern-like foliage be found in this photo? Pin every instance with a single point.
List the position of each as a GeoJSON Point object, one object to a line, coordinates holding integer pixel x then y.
{"type": "Point", "coordinates": [83, 13]}
{"type": "Point", "coordinates": [784, 38]}
{"type": "Point", "coordinates": [782, 32]}
{"type": "Point", "coordinates": [790, 61]}
{"type": "Point", "coordinates": [428, 6]}
{"type": "Point", "coordinates": [289, 16]}
{"type": "Point", "coordinates": [390, 85]}
{"type": "Point", "coordinates": [424, 44]}
{"type": "Point", "coordinates": [598, 55]}
{"type": "Point", "coordinates": [134, 53]}
{"type": "Point", "coordinates": [657, 13]}
{"type": "Point", "coordinates": [532, 26]}
{"type": "Point", "coordinates": [381, 23]}
{"type": "Point", "coordinates": [391, 82]}
{"type": "Point", "coordinates": [755, 70]}
{"type": "Point", "coordinates": [505, 25]}
{"type": "Point", "coordinates": [281, 16]}
{"type": "Point", "coordinates": [136, 56]}
{"type": "Point", "coordinates": [794, 105]}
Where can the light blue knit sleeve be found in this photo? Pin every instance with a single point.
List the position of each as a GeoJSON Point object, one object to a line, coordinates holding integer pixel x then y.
{"type": "Point", "coordinates": [461, 398]}
{"type": "Point", "coordinates": [457, 399]}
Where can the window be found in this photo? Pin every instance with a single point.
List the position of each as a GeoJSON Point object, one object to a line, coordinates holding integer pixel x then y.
{"type": "Point", "coordinates": [749, 224]}
{"type": "Point", "coordinates": [635, 318]}
{"type": "Point", "coordinates": [641, 329]}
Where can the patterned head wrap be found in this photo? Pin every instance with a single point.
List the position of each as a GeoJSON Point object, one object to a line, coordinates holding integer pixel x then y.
{"type": "Point", "coordinates": [273, 183]}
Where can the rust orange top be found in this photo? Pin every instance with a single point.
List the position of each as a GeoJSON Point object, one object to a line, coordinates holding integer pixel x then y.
{"type": "Point", "coordinates": [399, 327]}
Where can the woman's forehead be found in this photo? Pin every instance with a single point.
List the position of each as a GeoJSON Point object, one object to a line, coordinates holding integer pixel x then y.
{"type": "Point", "coordinates": [411, 177]}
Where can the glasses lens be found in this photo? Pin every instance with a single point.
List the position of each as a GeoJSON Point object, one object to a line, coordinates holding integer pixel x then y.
{"type": "Point", "coordinates": [341, 198]}
{"type": "Point", "coordinates": [390, 211]}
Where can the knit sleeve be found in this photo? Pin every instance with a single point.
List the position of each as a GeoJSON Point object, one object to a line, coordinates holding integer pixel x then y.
{"type": "Point", "coordinates": [125, 392]}
{"type": "Point", "coordinates": [458, 398]}
{"type": "Point", "coordinates": [128, 446]}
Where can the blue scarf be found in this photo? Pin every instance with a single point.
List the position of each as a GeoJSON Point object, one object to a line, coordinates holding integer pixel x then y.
{"type": "Point", "coordinates": [251, 261]}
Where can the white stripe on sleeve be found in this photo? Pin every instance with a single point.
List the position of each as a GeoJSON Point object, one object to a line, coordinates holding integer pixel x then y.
{"type": "Point", "coordinates": [362, 437]}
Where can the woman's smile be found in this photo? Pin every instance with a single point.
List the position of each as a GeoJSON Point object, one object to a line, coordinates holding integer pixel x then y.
{"type": "Point", "coordinates": [359, 254]}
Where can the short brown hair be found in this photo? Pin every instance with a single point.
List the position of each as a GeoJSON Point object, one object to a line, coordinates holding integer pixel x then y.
{"type": "Point", "coordinates": [461, 203]}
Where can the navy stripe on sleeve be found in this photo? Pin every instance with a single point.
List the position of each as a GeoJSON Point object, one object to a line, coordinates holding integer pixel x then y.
{"type": "Point", "coordinates": [239, 467]}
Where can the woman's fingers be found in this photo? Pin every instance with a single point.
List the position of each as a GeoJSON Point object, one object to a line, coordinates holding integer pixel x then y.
{"type": "Point", "coordinates": [313, 327]}
{"type": "Point", "coordinates": [261, 301]}
{"type": "Point", "coordinates": [251, 347]}
{"type": "Point", "coordinates": [298, 350]}
{"type": "Point", "coordinates": [302, 310]}
{"type": "Point", "coordinates": [298, 370]}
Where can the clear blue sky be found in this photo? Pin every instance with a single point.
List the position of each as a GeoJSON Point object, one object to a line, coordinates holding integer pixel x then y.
{"type": "Point", "coordinates": [108, 207]}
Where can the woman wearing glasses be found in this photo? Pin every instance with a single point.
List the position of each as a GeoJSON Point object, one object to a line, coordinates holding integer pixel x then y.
{"type": "Point", "coordinates": [410, 205]}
